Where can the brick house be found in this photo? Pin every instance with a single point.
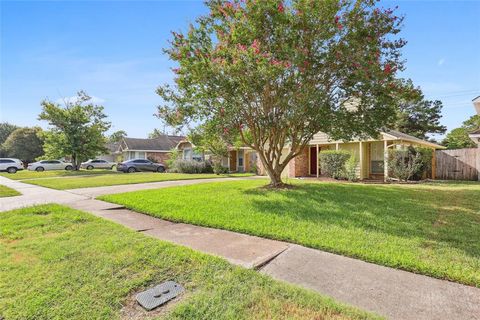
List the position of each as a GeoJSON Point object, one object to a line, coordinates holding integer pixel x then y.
{"type": "Point", "coordinates": [241, 159]}
{"type": "Point", "coordinates": [371, 154]}
{"type": "Point", "coordinates": [157, 149]}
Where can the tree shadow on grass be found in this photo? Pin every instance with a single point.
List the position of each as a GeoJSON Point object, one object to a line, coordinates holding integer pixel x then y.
{"type": "Point", "coordinates": [450, 217]}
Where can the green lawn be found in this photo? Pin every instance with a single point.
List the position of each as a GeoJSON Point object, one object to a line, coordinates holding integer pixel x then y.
{"type": "Point", "coordinates": [7, 192]}
{"type": "Point", "coordinates": [85, 179]}
{"type": "Point", "coordinates": [26, 174]}
{"type": "Point", "coordinates": [59, 263]}
{"type": "Point", "coordinates": [433, 229]}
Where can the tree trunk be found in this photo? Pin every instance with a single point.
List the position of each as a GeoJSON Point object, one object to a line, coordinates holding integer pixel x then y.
{"type": "Point", "coordinates": [76, 166]}
{"type": "Point", "coordinates": [274, 173]}
{"type": "Point", "coordinates": [275, 179]}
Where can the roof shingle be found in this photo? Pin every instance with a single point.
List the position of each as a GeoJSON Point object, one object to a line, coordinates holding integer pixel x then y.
{"type": "Point", "coordinates": [161, 143]}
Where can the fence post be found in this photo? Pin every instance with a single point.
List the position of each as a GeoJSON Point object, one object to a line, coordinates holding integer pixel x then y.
{"type": "Point", "coordinates": [434, 164]}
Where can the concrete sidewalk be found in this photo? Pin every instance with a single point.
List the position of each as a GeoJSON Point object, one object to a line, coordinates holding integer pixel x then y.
{"type": "Point", "coordinates": [100, 191]}
{"type": "Point", "coordinates": [390, 292]}
{"type": "Point", "coordinates": [33, 195]}
{"type": "Point", "coordinates": [393, 293]}
{"type": "Point", "coordinates": [240, 249]}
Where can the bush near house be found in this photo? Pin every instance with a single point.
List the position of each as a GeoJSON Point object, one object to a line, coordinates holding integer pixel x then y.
{"type": "Point", "coordinates": [409, 163]}
{"type": "Point", "coordinates": [351, 169]}
{"type": "Point", "coordinates": [333, 162]}
{"type": "Point", "coordinates": [191, 166]}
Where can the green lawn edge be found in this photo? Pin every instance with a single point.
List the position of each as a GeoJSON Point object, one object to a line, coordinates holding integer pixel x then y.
{"type": "Point", "coordinates": [8, 192]}
{"type": "Point", "coordinates": [437, 223]}
{"type": "Point", "coordinates": [58, 262]}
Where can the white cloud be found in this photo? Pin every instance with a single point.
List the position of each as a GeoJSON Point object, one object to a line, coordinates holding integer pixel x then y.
{"type": "Point", "coordinates": [441, 61]}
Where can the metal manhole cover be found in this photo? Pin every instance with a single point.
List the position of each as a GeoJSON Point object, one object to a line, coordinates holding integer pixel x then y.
{"type": "Point", "coordinates": [158, 295]}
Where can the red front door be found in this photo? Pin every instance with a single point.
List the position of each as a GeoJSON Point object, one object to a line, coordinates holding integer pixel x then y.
{"type": "Point", "coordinates": [313, 160]}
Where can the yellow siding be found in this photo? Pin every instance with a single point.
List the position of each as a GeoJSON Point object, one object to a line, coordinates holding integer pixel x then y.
{"type": "Point", "coordinates": [285, 172]}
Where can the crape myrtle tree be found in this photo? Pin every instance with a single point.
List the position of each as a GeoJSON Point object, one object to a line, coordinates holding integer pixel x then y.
{"type": "Point", "coordinates": [282, 71]}
{"type": "Point", "coordinates": [76, 129]}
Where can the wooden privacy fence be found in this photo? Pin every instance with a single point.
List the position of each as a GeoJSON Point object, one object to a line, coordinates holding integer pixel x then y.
{"type": "Point", "coordinates": [458, 164]}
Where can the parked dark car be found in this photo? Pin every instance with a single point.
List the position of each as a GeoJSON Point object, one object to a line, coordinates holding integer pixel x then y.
{"type": "Point", "coordinates": [137, 165]}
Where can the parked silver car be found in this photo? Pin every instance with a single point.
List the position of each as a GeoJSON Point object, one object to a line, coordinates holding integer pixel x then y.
{"type": "Point", "coordinates": [49, 165]}
{"type": "Point", "coordinates": [97, 164]}
{"type": "Point", "coordinates": [11, 165]}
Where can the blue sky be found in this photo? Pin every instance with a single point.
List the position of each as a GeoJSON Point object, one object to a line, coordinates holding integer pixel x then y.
{"type": "Point", "coordinates": [113, 50]}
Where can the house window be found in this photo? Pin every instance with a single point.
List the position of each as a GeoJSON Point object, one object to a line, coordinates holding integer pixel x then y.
{"type": "Point", "coordinates": [141, 155]}
{"type": "Point", "coordinates": [197, 156]}
{"type": "Point", "coordinates": [187, 154]}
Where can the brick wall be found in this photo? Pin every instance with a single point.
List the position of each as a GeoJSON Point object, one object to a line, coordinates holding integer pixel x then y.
{"type": "Point", "coordinates": [233, 160]}
{"type": "Point", "coordinates": [159, 157]}
{"type": "Point", "coordinates": [298, 166]}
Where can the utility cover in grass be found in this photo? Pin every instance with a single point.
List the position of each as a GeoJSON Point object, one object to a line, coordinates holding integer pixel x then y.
{"type": "Point", "coordinates": [158, 295]}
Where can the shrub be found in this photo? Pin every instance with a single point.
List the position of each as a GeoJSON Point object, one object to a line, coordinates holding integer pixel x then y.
{"type": "Point", "coordinates": [403, 164]}
{"type": "Point", "coordinates": [219, 169]}
{"type": "Point", "coordinates": [427, 156]}
{"type": "Point", "coordinates": [191, 166]}
{"type": "Point", "coordinates": [351, 168]}
{"type": "Point", "coordinates": [174, 156]}
{"type": "Point", "coordinates": [333, 162]}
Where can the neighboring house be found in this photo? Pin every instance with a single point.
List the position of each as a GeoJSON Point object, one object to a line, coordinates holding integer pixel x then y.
{"type": "Point", "coordinates": [113, 153]}
{"type": "Point", "coordinates": [157, 149]}
{"type": "Point", "coordinates": [372, 154]}
{"type": "Point", "coordinates": [242, 159]}
{"type": "Point", "coordinates": [475, 135]}
{"type": "Point", "coordinates": [188, 152]}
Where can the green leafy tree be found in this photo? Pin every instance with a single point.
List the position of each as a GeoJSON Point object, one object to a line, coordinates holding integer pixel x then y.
{"type": "Point", "coordinates": [207, 140]}
{"type": "Point", "coordinates": [458, 138]}
{"type": "Point", "coordinates": [25, 144]}
{"type": "Point", "coordinates": [282, 71]}
{"type": "Point", "coordinates": [77, 129]}
{"type": "Point", "coordinates": [117, 136]}
{"type": "Point", "coordinates": [5, 130]}
{"type": "Point", "coordinates": [155, 134]}
{"type": "Point", "coordinates": [418, 116]}
{"type": "Point", "coordinates": [472, 123]}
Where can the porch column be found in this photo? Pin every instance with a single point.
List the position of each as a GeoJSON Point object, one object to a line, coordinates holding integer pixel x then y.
{"type": "Point", "coordinates": [316, 164]}
{"type": "Point", "coordinates": [336, 146]}
{"type": "Point", "coordinates": [385, 160]}
{"type": "Point", "coordinates": [434, 164]}
{"type": "Point", "coordinates": [360, 154]}
{"type": "Point", "coordinates": [228, 161]}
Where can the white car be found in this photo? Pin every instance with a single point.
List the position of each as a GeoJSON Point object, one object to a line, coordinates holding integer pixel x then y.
{"type": "Point", "coordinates": [49, 165]}
{"type": "Point", "coordinates": [11, 165]}
{"type": "Point", "coordinates": [97, 164]}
